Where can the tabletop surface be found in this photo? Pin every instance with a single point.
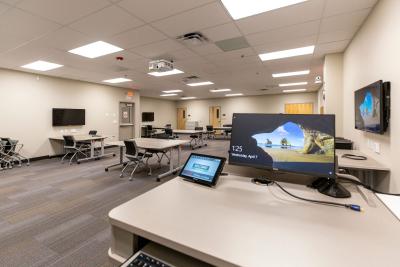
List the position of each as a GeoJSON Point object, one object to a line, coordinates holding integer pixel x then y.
{"type": "Point", "coordinates": [82, 137]}
{"type": "Point", "coordinates": [369, 164]}
{"type": "Point", "coordinates": [240, 223]}
{"type": "Point", "coordinates": [153, 143]}
{"type": "Point", "coordinates": [187, 131]}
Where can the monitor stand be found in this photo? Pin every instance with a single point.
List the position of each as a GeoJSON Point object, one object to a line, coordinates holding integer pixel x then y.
{"type": "Point", "coordinates": [261, 181]}
{"type": "Point", "coordinates": [330, 187]}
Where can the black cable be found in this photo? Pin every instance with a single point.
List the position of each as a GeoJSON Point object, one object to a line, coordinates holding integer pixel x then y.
{"type": "Point", "coordinates": [356, 182]}
{"type": "Point", "coordinates": [347, 206]}
{"type": "Point", "coordinates": [354, 157]}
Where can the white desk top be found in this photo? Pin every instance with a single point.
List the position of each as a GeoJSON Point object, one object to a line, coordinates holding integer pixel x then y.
{"type": "Point", "coordinates": [81, 137]}
{"type": "Point", "coordinates": [369, 164]}
{"type": "Point", "coordinates": [187, 131]}
{"type": "Point", "coordinates": [241, 224]}
{"type": "Point", "coordinates": [392, 203]}
{"type": "Point", "coordinates": [153, 143]}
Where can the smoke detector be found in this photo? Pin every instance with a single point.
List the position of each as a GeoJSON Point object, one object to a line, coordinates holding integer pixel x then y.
{"type": "Point", "coordinates": [193, 39]}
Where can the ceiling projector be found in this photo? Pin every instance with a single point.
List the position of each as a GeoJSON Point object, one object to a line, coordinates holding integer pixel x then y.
{"type": "Point", "coordinates": [161, 65]}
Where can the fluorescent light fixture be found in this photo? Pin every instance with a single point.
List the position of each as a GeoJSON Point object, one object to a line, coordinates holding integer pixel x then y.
{"type": "Point", "coordinates": [287, 53]}
{"type": "Point", "coordinates": [293, 73]}
{"type": "Point", "coordinates": [117, 80]}
{"type": "Point", "coordinates": [220, 90]}
{"type": "Point", "coordinates": [241, 9]}
{"type": "Point", "coordinates": [172, 91]}
{"type": "Point", "coordinates": [294, 90]}
{"type": "Point", "coordinates": [238, 94]}
{"type": "Point", "coordinates": [200, 83]}
{"type": "Point", "coordinates": [165, 73]}
{"type": "Point", "coordinates": [292, 84]}
{"type": "Point", "coordinates": [41, 65]}
{"type": "Point", "coordinates": [188, 97]}
{"type": "Point", "coordinates": [169, 95]}
{"type": "Point", "coordinates": [96, 49]}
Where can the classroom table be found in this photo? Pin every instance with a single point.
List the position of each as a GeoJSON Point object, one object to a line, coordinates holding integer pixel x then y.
{"type": "Point", "coordinates": [153, 144]}
{"type": "Point", "coordinates": [238, 223]}
{"type": "Point", "coordinates": [93, 139]}
{"type": "Point", "coordinates": [198, 142]}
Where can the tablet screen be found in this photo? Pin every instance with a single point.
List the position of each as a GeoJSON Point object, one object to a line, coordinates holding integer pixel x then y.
{"type": "Point", "coordinates": [202, 168]}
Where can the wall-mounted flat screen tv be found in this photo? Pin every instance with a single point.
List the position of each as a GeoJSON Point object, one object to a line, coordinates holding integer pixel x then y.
{"type": "Point", "coordinates": [68, 117]}
{"type": "Point", "coordinates": [147, 116]}
{"type": "Point", "coordinates": [370, 108]}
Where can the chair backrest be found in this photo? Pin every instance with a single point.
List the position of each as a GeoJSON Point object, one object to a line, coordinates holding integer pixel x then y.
{"type": "Point", "coordinates": [92, 132]}
{"type": "Point", "coordinates": [209, 128]}
{"type": "Point", "coordinates": [168, 131]}
{"type": "Point", "coordinates": [8, 144]}
{"type": "Point", "coordinates": [227, 125]}
{"type": "Point", "coordinates": [131, 148]}
{"type": "Point", "coordinates": [149, 127]}
{"type": "Point", "coordinates": [198, 128]}
{"type": "Point", "coordinates": [69, 140]}
{"type": "Point", "coordinates": [168, 126]}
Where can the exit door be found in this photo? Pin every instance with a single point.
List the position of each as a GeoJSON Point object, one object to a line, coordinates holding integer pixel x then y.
{"type": "Point", "coordinates": [182, 113]}
{"type": "Point", "coordinates": [126, 121]}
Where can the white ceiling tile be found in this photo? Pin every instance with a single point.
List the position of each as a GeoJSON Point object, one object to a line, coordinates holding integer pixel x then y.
{"type": "Point", "coordinates": [64, 39]}
{"type": "Point", "coordinates": [206, 49]}
{"type": "Point", "coordinates": [151, 10]}
{"type": "Point", "coordinates": [287, 44]}
{"type": "Point", "coordinates": [25, 27]}
{"type": "Point", "coordinates": [137, 37]}
{"type": "Point", "coordinates": [306, 11]}
{"type": "Point", "coordinates": [241, 55]}
{"type": "Point", "coordinates": [222, 32]}
{"type": "Point", "coordinates": [346, 34]}
{"type": "Point", "coordinates": [62, 11]}
{"type": "Point", "coordinates": [4, 8]}
{"type": "Point", "coordinates": [335, 7]}
{"type": "Point", "coordinates": [328, 48]}
{"type": "Point", "coordinates": [193, 20]}
{"type": "Point", "coordinates": [107, 22]}
{"type": "Point", "coordinates": [183, 54]}
{"type": "Point", "coordinates": [158, 49]}
{"type": "Point", "coordinates": [344, 21]}
{"type": "Point", "coordinates": [10, 2]}
{"type": "Point", "coordinates": [283, 34]}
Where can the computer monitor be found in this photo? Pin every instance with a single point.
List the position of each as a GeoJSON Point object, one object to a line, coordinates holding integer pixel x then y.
{"type": "Point", "coordinates": [303, 144]}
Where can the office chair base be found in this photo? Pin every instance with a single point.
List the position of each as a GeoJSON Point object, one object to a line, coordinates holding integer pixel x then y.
{"type": "Point", "coordinates": [330, 187]}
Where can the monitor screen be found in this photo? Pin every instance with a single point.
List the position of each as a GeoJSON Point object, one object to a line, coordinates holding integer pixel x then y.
{"type": "Point", "coordinates": [147, 116]}
{"type": "Point", "coordinates": [201, 167]}
{"type": "Point", "coordinates": [68, 117]}
{"type": "Point", "coordinates": [290, 143]}
{"type": "Point", "coordinates": [368, 104]}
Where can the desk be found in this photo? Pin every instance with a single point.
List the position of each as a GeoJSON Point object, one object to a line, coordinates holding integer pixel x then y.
{"type": "Point", "coordinates": [93, 140]}
{"type": "Point", "coordinates": [241, 224]}
{"type": "Point", "coordinates": [367, 167]}
{"type": "Point", "coordinates": [199, 142]}
{"type": "Point", "coordinates": [153, 144]}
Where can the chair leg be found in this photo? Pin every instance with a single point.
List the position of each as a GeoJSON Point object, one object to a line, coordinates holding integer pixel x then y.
{"type": "Point", "coordinates": [133, 171]}
{"type": "Point", "coordinates": [148, 166]}
{"type": "Point", "coordinates": [123, 170]}
{"type": "Point", "coordinates": [62, 159]}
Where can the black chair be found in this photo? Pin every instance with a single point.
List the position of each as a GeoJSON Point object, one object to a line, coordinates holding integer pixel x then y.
{"type": "Point", "coordinates": [12, 149]}
{"type": "Point", "coordinates": [93, 132]}
{"type": "Point", "coordinates": [5, 160]}
{"type": "Point", "coordinates": [195, 138]}
{"type": "Point", "coordinates": [210, 132]}
{"type": "Point", "coordinates": [227, 131]}
{"type": "Point", "coordinates": [135, 158]}
{"type": "Point", "coordinates": [72, 147]}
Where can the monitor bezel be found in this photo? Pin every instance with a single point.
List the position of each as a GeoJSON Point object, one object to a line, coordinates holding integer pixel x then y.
{"type": "Point", "coordinates": [333, 176]}
{"type": "Point", "coordinates": [381, 108]}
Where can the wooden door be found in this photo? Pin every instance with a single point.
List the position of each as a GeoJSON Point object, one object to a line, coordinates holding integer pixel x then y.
{"type": "Point", "coordinates": [182, 113]}
{"type": "Point", "coordinates": [215, 116]}
{"type": "Point", "coordinates": [299, 108]}
{"type": "Point", "coordinates": [126, 121]}
{"type": "Point", "coordinates": [321, 110]}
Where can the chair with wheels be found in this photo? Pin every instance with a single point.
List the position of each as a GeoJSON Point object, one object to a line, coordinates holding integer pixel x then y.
{"type": "Point", "coordinates": [72, 147]}
{"type": "Point", "coordinates": [210, 132]}
{"type": "Point", "coordinates": [135, 158]}
{"type": "Point", "coordinates": [195, 139]}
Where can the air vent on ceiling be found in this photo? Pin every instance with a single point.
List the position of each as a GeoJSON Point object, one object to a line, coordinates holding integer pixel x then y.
{"type": "Point", "coordinates": [232, 44]}
{"type": "Point", "coordinates": [193, 39]}
{"type": "Point", "coordinates": [190, 79]}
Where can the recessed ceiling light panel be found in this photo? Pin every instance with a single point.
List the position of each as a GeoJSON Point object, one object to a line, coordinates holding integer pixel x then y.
{"type": "Point", "coordinates": [237, 94]}
{"type": "Point", "coordinates": [293, 73]}
{"type": "Point", "coordinates": [241, 9]}
{"type": "Point", "coordinates": [169, 95]}
{"type": "Point", "coordinates": [96, 49]}
{"type": "Point", "coordinates": [200, 83]}
{"type": "Point", "coordinates": [172, 91]}
{"type": "Point", "coordinates": [117, 80]}
{"type": "Point", "coordinates": [307, 50]}
{"type": "Point", "coordinates": [41, 65]}
{"type": "Point", "coordinates": [220, 90]}
{"type": "Point", "coordinates": [165, 73]}
{"type": "Point", "coordinates": [294, 90]}
{"type": "Point", "coordinates": [292, 84]}
{"type": "Point", "coordinates": [188, 97]}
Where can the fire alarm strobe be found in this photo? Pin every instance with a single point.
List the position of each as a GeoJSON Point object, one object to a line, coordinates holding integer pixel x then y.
{"type": "Point", "coordinates": [119, 58]}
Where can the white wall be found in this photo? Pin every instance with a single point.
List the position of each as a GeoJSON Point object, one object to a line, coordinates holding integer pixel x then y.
{"type": "Point", "coordinates": [198, 110]}
{"type": "Point", "coordinates": [373, 55]}
{"type": "Point", "coordinates": [164, 110]}
{"type": "Point", "coordinates": [333, 88]}
{"type": "Point", "coordinates": [27, 101]}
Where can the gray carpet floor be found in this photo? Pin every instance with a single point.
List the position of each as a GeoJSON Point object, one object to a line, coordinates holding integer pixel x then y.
{"type": "Point", "coordinates": [54, 214]}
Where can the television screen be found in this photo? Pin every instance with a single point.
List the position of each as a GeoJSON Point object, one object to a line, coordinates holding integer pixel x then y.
{"type": "Point", "coordinates": [147, 116]}
{"type": "Point", "coordinates": [369, 108]}
{"type": "Point", "coordinates": [291, 143]}
{"type": "Point", "coordinates": [68, 117]}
